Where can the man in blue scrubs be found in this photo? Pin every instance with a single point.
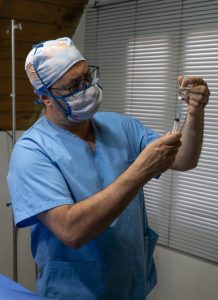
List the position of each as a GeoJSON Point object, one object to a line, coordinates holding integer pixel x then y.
{"type": "Point", "coordinates": [76, 177]}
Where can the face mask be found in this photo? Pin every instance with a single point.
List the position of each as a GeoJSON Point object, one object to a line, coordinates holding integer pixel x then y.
{"type": "Point", "coordinates": [85, 106]}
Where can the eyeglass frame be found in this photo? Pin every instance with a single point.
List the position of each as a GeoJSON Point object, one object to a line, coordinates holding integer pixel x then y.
{"type": "Point", "coordinates": [85, 87]}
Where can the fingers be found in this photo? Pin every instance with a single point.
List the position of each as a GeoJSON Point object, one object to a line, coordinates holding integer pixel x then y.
{"type": "Point", "coordinates": [171, 138]}
{"type": "Point", "coordinates": [199, 93]}
{"type": "Point", "coordinates": [165, 163]}
{"type": "Point", "coordinates": [170, 150]}
{"type": "Point", "coordinates": [200, 89]}
{"type": "Point", "coordinates": [159, 155]}
{"type": "Point", "coordinates": [166, 153]}
{"type": "Point", "coordinates": [198, 98]}
{"type": "Point", "coordinates": [191, 80]}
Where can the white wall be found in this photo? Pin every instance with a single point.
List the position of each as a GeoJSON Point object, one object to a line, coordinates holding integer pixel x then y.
{"type": "Point", "coordinates": [79, 34]}
{"type": "Point", "coordinates": [25, 263]}
{"type": "Point", "coordinates": [182, 277]}
{"type": "Point", "coordinates": [6, 252]}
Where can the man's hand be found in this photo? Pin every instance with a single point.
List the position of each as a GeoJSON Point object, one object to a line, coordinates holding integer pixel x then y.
{"type": "Point", "coordinates": [198, 95]}
{"type": "Point", "coordinates": [159, 155]}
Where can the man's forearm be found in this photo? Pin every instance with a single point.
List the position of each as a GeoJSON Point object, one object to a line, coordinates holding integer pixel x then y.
{"type": "Point", "coordinates": [76, 224]}
{"type": "Point", "coordinates": [192, 139]}
{"type": "Point", "coordinates": [106, 205]}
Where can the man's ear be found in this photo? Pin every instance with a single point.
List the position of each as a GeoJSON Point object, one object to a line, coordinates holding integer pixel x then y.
{"type": "Point", "coordinates": [46, 100]}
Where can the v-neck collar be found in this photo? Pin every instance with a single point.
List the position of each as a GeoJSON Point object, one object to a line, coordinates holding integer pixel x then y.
{"type": "Point", "coordinates": [73, 135]}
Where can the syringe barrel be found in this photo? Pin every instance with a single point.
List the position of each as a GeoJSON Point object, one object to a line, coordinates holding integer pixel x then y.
{"type": "Point", "coordinates": [175, 125]}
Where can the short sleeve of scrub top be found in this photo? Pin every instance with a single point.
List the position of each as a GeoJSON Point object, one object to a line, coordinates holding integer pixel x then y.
{"type": "Point", "coordinates": [36, 184]}
{"type": "Point", "coordinates": [141, 135]}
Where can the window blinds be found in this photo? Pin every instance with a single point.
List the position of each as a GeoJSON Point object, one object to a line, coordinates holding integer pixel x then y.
{"type": "Point", "coordinates": [141, 47]}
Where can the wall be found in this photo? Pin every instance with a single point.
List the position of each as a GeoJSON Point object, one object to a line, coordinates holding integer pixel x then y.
{"type": "Point", "coordinates": [183, 277]}
{"type": "Point", "coordinates": [25, 263]}
{"type": "Point", "coordinates": [6, 254]}
{"type": "Point", "coordinates": [79, 34]}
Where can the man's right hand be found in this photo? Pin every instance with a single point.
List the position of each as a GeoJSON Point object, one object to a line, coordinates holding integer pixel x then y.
{"type": "Point", "coordinates": [159, 155]}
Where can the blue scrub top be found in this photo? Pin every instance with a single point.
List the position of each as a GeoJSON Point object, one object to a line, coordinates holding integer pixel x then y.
{"type": "Point", "coordinates": [51, 167]}
{"type": "Point", "coordinates": [11, 290]}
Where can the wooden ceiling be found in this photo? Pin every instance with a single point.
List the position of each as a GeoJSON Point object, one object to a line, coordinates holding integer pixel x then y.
{"type": "Point", "coordinates": [41, 20]}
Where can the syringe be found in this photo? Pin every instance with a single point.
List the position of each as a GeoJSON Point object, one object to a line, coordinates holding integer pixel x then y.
{"type": "Point", "coordinates": [183, 92]}
{"type": "Point", "coordinates": [175, 124]}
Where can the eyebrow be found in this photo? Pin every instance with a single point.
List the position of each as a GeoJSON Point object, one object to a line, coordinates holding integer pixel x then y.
{"type": "Point", "coordinates": [65, 86]}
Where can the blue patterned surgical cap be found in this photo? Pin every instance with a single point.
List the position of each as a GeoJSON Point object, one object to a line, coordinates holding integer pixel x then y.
{"type": "Point", "coordinates": [48, 61]}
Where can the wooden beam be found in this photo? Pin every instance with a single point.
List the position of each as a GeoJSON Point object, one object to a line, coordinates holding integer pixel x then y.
{"type": "Point", "coordinates": [70, 3]}
{"type": "Point", "coordinates": [22, 48]}
{"type": "Point", "coordinates": [39, 12]}
{"type": "Point", "coordinates": [23, 104]}
{"type": "Point", "coordinates": [23, 120]}
{"type": "Point", "coordinates": [35, 32]}
{"type": "Point", "coordinates": [5, 69]}
{"type": "Point", "coordinates": [2, 2]}
{"type": "Point", "coordinates": [23, 87]}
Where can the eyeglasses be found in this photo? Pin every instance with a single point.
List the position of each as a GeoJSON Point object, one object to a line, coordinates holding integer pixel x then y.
{"type": "Point", "coordinates": [80, 86]}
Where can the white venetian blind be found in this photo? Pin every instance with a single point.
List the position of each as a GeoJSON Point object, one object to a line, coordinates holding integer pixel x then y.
{"type": "Point", "coordinates": [141, 47]}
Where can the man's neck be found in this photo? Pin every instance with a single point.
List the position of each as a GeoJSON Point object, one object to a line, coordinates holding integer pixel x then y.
{"type": "Point", "coordinates": [83, 129]}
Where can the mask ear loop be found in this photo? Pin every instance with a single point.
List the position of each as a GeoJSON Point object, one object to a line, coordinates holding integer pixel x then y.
{"type": "Point", "coordinates": [99, 85]}
{"type": "Point", "coordinates": [49, 93]}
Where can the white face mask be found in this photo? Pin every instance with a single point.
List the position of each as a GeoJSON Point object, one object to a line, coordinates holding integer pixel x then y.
{"type": "Point", "coordinates": [85, 106]}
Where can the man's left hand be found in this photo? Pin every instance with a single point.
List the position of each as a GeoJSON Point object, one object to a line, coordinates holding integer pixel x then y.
{"type": "Point", "coordinates": [198, 95]}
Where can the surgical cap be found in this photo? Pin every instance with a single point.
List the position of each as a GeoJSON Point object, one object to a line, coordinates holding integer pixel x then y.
{"type": "Point", "coordinates": [48, 61]}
